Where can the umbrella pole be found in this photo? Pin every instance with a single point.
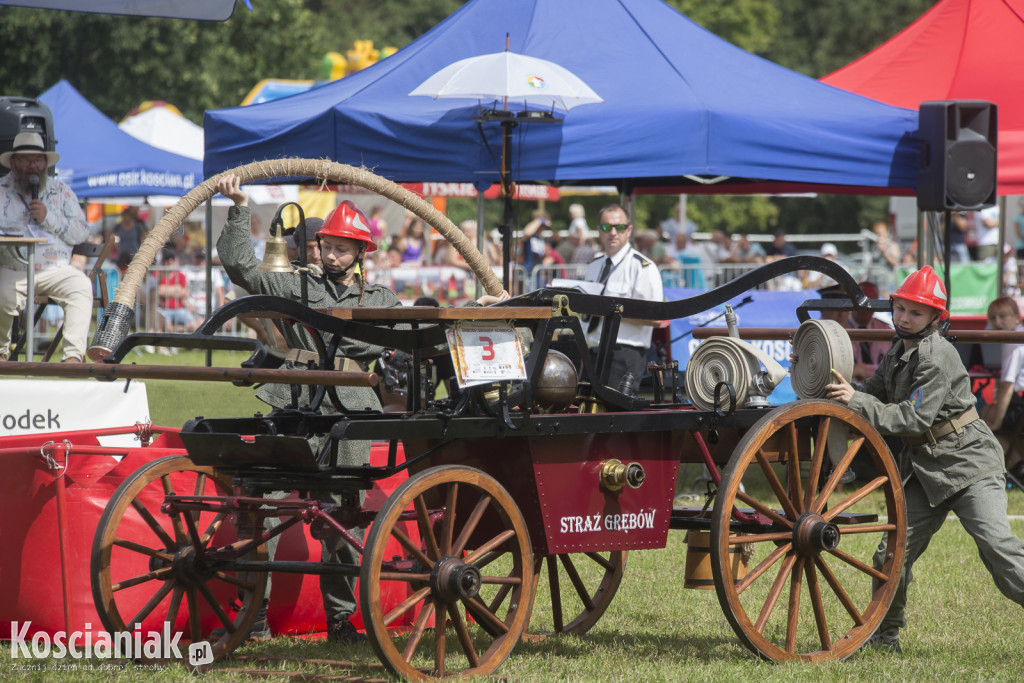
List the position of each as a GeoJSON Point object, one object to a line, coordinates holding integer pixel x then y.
{"type": "Point", "coordinates": [506, 189]}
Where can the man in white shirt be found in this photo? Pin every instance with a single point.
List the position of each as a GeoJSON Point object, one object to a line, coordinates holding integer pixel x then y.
{"type": "Point", "coordinates": [623, 272]}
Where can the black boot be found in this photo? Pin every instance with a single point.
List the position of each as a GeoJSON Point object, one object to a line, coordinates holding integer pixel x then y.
{"type": "Point", "coordinates": [342, 631]}
{"type": "Point", "coordinates": [260, 629]}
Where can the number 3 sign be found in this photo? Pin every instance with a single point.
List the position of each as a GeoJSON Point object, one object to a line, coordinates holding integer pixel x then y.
{"type": "Point", "coordinates": [485, 352]}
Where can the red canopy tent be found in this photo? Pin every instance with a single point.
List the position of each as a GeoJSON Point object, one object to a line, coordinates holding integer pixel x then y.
{"type": "Point", "coordinates": [958, 50]}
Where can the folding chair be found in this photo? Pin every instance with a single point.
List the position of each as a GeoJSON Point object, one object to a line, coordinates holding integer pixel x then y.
{"type": "Point", "coordinates": [100, 299]}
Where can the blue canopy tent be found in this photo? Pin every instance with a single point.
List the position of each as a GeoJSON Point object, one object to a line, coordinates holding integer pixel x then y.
{"type": "Point", "coordinates": [206, 10]}
{"type": "Point", "coordinates": [682, 107]}
{"type": "Point", "coordinates": [98, 159]}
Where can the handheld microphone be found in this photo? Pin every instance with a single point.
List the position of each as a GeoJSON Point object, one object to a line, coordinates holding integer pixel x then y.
{"type": "Point", "coordinates": [33, 185]}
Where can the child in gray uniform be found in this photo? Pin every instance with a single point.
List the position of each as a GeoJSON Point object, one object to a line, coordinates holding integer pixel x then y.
{"type": "Point", "coordinates": [344, 239]}
{"type": "Point", "coordinates": [950, 461]}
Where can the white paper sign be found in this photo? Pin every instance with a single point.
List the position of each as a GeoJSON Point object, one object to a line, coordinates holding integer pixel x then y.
{"type": "Point", "coordinates": [37, 406]}
{"type": "Point", "coordinates": [484, 352]}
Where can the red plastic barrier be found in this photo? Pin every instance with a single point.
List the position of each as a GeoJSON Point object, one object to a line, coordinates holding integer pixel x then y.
{"type": "Point", "coordinates": [31, 563]}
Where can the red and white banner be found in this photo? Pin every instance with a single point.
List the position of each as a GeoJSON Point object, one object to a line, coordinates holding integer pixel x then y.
{"type": "Point", "coordinates": [462, 190]}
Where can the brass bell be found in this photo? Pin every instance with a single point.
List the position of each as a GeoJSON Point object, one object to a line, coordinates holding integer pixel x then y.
{"type": "Point", "coordinates": [275, 258]}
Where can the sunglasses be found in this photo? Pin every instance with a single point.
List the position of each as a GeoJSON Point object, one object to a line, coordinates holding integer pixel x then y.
{"type": "Point", "coordinates": [608, 227]}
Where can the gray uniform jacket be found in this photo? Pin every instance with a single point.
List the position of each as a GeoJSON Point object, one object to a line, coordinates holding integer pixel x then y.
{"type": "Point", "coordinates": [915, 389]}
{"type": "Point", "coordinates": [239, 260]}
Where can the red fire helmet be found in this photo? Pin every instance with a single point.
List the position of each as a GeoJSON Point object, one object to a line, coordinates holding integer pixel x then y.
{"type": "Point", "coordinates": [348, 221]}
{"type": "Point", "coordinates": [924, 287]}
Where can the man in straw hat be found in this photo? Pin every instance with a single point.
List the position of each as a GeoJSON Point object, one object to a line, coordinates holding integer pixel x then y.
{"type": "Point", "coordinates": [36, 205]}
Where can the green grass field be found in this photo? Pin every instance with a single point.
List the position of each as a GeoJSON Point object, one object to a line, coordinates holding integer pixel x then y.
{"type": "Point", "coordinates": [960, 627]}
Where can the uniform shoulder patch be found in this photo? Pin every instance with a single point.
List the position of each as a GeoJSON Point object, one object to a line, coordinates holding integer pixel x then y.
{"type": "Point", "coordinates": [596, 257]}
{"type": "Point", "coordinates": [916, 396]}
{"type": "Point", "coordinates": [642, 259]}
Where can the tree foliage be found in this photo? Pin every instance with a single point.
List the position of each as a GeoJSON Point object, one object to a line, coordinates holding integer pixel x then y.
{"type": "Point", "coordinates": [118, 62]}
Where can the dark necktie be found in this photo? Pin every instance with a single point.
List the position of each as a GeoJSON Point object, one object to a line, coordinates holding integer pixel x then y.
{"type": "Point", "coordinates": [865, 353]}
{"type": "Point", "coordinates": [606, 270]}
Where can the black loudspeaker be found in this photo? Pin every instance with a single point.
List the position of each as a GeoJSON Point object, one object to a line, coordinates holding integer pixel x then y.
{"type": "Point", "coordinates": [958, 155]}
{"type": "Point", "coordinates": [24, 115]}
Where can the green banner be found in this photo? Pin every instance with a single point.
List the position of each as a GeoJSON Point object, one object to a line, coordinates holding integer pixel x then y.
{"type": "Point", "coordinates": [974, 286]}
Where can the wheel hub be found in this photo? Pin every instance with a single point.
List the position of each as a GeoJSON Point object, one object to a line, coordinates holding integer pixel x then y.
{"type": "Point", "coordinates": [452, 579]}
{"type": "Point", "coordinates": [812, 535]}
{"type": "Point", "coordinates": [188, 568]}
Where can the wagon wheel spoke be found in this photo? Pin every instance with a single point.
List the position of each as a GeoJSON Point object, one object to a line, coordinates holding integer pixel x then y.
{"type": "Point", "coordinates": [764, 509]}
{"type": "Point", "coordinates": [143, 549]}
{"type": "Point", "coordinates": [837, 473]}
{"type": "Point", "coordinates": [470, 527]}
{"type": "Point", "coordinates": [490, 545]}
{"type": "Point", "coordinates": [194, 629]}
{"type": "Point", "coordinates": [488, 558]}
{"type": "Point", "coordinates": [484, 614]}
{"type": "Point", "coordinates": [499, 597]}
{"type": "Point", "coordinates": [820, 620]}
{"type": "Point", "coordinates": [839, 591]}
{"type": "Point", "coordinates": [773, 594]}
{"type": "Point", "coordinates": [426, 528]}
{"type": "Point", "coordinates": [793, 465]}
{"type": "Point", "coordinates": [440, 639]}
{"type": "Point", "coordinates": [577, 582]}
{"type": "Point", "coordinates": [214, 605]}
{"type": "Point", "coordinates": [854, 498]}
{"type": "Point", "coordinates": [762, 567]}
{"type": "Point", "coordinates": [179, 528]}
{"type": "Point", "coordinates": [156, 575]}
{"type": "Point", "coordinates": [465, 640]}
{"type": "Point", "coordinates": [198, 491]}
{"type": "Point", "coordinates": [448, 525]}
{"type": "Point", "coordinates": [212, 528]}
{"type": "Point", "coordinates": [814, 622]}
{"type": "Point", "coordinates": [556, 593]}
{"type": "Point", "coordinates": [778, 537]}
{"type": "Point", "coordinates": [412, 548]}
{"type": "Point", "coordinates": [154, 526]}
{"type": "Point", "coordinates": [776, 486]}
{"type": "Point", "coordinates": [417, 631]}
{"type": "Point", "coordinates": [405, 605]}
{"type": "Point", "coordinates": [234, 580]}
{"type": "Point", "coordinates": [817, 460]}
{"type": "Point", "coordinates": [794, 605]}
{"type": "Point", "coordinates": [172, 609]}
{"type": "Point", "coordinates": [862, 566]}
{"type": "Point", "coordinates": [152, 603]}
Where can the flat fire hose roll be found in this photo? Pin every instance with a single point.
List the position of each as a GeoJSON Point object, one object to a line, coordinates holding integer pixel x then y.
{"type": "Point", "coordinates": [820, 346]}
{"type": "Point", "coordinates": [725, 359]}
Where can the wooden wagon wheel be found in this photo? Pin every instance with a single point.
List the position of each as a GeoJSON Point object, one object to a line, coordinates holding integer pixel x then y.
{"type": "Point", "coordinates": [474, 557]}
{"type": "Point", "coordinates": [580, 585]}
{"type": "Point", "coordinates": [118, 316]}
{"type": "Point", "coordinates": [818, 540]}
{"type": "Point", "coordinates": [144, 566]}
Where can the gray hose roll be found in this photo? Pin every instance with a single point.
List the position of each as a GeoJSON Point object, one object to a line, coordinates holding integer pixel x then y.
{"type": "Point", "coordinates": [725, 359]}
{"type": "Point", "coordinates": [820, 346]}
{"type": "Point", "coordinates": [713, 362]}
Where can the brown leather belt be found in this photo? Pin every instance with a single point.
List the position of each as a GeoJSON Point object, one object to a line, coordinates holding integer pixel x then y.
{"type": "Point", "coordinates": [942, 429]}
{"type": "Point", "coordinates": [302, 356]}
